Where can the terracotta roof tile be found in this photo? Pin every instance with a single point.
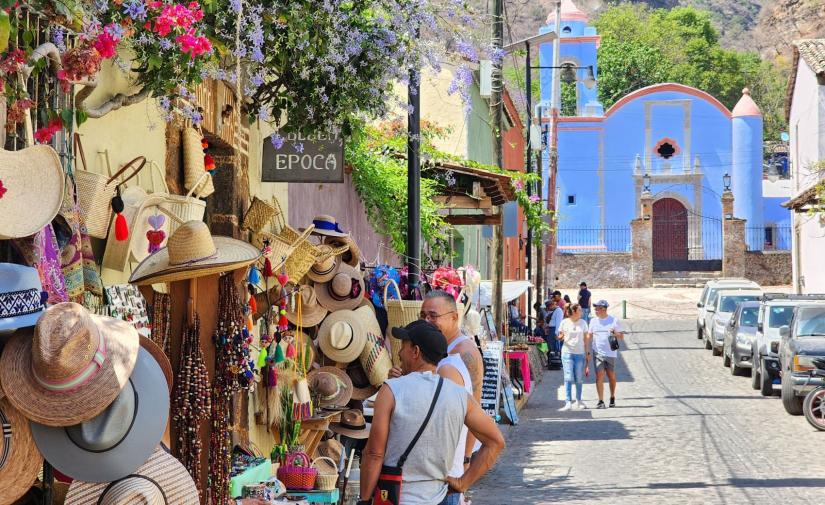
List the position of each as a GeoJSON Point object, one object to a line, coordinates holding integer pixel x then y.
{"type": "Point", "coordinates": [813, 52]}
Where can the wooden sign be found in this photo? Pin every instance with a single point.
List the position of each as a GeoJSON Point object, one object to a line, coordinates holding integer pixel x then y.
{"type": "Point", "coordinates": [491, 385]}
{"type": "Point", "coordinates": [304, 158]}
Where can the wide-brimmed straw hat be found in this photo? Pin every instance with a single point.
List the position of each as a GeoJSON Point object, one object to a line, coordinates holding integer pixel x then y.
{"type": "Point", "coordinates": [328, 226]}
{"type": "Point", "coordinates": [352, 425]}
{"type": "Point", "coordinates": [311, 312]}
{"type": "Point", "coordinates": [326, 263]}
{"type": "Point", "coordinates": [352, 256]}
{"type": "Point", "coordinates": [331, 448]}
{"type": "Point", "coordinates": [342, 336]}
{"type": "Point", "coordinates": [117, 441]}
{"type": "Point", "coordinates": [361, 387]}
{"type": "Point", "coordinates": [344, 291]}
{"type": "Point", "coordinates": [72, 369]}
{"type": "Point", "coordinates": [375, 358]}
{"type": "Point", "coordinates": [22, 299]}
{"type": "Point", "coordinates": [332, 385]}
{"type": "Point", "coordinates": [161, 477]}
{"type": "Point", "coordinates": [31, 190]}
{"type": "Point", "coordinates": [20, 461]}
{"type": "Point", "coordinates": [193, 252]}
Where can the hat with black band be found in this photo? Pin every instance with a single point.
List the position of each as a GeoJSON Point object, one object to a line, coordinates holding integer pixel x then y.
{"type": "Point", "coordinates": [426, 336]}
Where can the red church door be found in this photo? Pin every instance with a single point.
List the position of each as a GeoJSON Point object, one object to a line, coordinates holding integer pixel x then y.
{"type": "Point", "coordinates": [670, 234]}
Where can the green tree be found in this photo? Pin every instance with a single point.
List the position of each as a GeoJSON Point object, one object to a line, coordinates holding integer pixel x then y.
{"type": "Point", "coordinates": [643, 46]}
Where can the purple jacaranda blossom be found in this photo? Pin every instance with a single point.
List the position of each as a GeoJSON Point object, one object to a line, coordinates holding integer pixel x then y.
{"type": "Point", "coordinates": [136, 10]}
{"type": "Point", "coordinates": [276, 140]}
{"type": "Point", "coordinates": [299, 147]}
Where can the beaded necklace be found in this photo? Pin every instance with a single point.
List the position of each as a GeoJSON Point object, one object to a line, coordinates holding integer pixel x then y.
{"type": "Point", "coordinates": [161, 314]}
{"type": "Point", "coordinates": [191, 402]}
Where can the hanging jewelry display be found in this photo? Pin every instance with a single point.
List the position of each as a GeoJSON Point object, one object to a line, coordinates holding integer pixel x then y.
{"type": "Point", "coordinates": [161, 313]}
{"type": "Point", "coordinates": [190, 402]}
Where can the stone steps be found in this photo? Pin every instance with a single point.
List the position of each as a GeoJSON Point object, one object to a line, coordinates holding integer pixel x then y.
{"type": "Point", "coordinates": [683, 279]}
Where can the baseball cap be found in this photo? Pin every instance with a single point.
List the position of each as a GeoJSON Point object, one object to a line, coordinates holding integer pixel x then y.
{"type": "Point", "coordinates": [582, 283]}
{"type": "Point", "coordinates": [426, 336]}
{"type": "Point", "coordinates": [601, 303]}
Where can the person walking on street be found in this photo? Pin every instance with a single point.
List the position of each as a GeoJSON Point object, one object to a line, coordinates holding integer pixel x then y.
{"type": "Point", "coordinates": [554, 324]}
{"type": "Point", "coordinates": [401, 410]}
{"type": "Point", "coordinates": [584, 301]}
{"type": "Point", "coordinates": [604, 331]}
{"type": "Point", "coordinates": [559, 300]}
{"type": "Point", "coordinates": [574, 333]}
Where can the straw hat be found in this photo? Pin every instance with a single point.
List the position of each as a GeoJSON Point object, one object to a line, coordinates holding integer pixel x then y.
{"type": "Point", "coordinates": [353, 255]}
{"type": "Point", "coordinates": [161, 472]}
{"type": "Point", "coordinates": [118, 440]}
{"type": "Point", "coordinates": [327, 225]}
{"type": "Point", "coordinates": [331, 448]}
{"type": "Point", "coordinates": [344, 291]}
{"type": "Point", "coordinates": [72, 369]}
{"type": "Point", "coordinates": [31, 190]}
{"type": "Point", "coordinates": [327, 263]}
{"type": "Point", "coordinates": [375, 358]}
{"type": "Point", "coordinates": [332, 384]}
{"type": "Point", "coordinates": [342, 336]}
{"type": "Point", "coordinates": [193, 252]}
{"type": "Point", "coordinates": [311, 312]}
{"type": "Point", "coordinates": [20, 460]}
{"type": "Point", "coordinates": [361, 387]}
{"type": "Point", "coordinates": [21, 296]}
{"type": "Point", "coordinates": [352, 425]}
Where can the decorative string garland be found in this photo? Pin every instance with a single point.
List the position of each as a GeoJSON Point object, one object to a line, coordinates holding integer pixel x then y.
{"type": "Point", "coordinates": [161, 314]}
{"type": "Point", "coordinates": [190, 402]}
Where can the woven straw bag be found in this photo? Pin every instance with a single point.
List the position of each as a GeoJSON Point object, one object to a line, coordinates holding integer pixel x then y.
{"type": "Point", "coordinates": [303, 253]}
{"type": "Point", "coordinates": [258, 215]}
{"type": "Point", "coordinates": [185, 207]}
{"type": "Point", "coordinates": [399, 313]}
{"type": "Point", "coordinates": [297, 472]}
{"type": "Point", "coordinates": [193, 166]}
{"type": "Point", "coordinates": [95, 192]}
{"type": "Point", "coordinates": [325, 481]}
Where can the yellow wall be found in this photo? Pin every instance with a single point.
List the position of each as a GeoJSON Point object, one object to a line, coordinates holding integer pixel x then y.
{"type": "Point", "coordinates": [258, 134]}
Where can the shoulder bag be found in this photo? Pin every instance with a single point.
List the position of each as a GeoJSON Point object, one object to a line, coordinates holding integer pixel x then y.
{"type": "Point", "coordinates": [388, 489]}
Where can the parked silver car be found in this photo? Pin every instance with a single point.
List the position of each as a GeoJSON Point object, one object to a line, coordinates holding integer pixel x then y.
{"type": "Point", "coordinates": [739, 337]}
{"type": "Point", "coordinates": [802, 341]}
{"type": "Point", "coordinates": [719, 314]}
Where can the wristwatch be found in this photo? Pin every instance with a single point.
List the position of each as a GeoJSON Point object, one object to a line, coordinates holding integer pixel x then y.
{"type": "Point", "coordinates": [466, 460]}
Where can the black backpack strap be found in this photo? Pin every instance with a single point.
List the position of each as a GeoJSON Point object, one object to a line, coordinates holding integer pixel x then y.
{"type": "Point", "coordinates": [403, 457]}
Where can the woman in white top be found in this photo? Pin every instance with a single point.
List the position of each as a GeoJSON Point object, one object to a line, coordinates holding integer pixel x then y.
{"type": "Point", "coordinates": [573, 330]}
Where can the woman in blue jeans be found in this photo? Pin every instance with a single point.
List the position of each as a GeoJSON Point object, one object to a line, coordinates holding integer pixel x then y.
{"type": "Point", "coordinates": [573, 332]}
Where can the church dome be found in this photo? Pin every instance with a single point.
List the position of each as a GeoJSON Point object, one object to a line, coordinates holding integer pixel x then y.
{"type": "Point", "coordinates": [746, 106]}
{"type": "Point", "coordinates": [569, 12]}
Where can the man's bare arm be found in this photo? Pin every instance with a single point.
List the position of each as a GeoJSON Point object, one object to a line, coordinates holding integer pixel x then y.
{"type": "Point", "coordinates": [492, 443]}
{"type": "Point", "coordinates": [472, 360]}
{"type": "Point", "coordinates": [373, 455]}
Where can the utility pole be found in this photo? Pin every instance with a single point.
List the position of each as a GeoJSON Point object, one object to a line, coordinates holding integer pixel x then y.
{"type": "Point", "coordinates": [528, 167]}
{"type": "Point", "coordinates": [498, 95]}
{"type": "Point", "coordinates": [555, 109]}
{"type": "Point", "coordinates": [414, 182]}
{"type": "Point", "coordinates": [540, 247]}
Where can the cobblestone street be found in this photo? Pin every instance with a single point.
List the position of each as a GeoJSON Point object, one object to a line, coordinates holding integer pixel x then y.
{"type": "Point", "coordinates": [684, 431]}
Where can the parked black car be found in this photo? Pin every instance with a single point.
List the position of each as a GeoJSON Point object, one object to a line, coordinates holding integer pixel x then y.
{"type": "Point", "coordinates": [739, 336]}
{"type": "Point", "coordinates": [802, 341]}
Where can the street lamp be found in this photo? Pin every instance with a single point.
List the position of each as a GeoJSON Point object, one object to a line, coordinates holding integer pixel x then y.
{"type": "Point", "coordinates": [726, 181]}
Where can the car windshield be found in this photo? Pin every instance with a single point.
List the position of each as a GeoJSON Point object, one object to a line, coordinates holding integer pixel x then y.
{"type": "Point", "coordinates": [811, 322]}
{"type": "Point", "coordinates": [780, 316]}
{"type": "Point", "coordinates": [728, 302]}
{"type": "Point", "coordinates": [749, 316]}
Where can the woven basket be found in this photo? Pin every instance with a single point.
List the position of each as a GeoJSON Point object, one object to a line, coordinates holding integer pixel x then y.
{"type": "Point", "coordinates": [258, 215]}
{"type": "Point", "coordinates": [297, 472]}
{"type": "Point", "coordinates": [193, 165]}
{"type": "Point", "coordinates": [326, 481]}
{"type": "Point", "coordinates": [303, 253]}
{"type": "Point", "coordinates": [399, 313]}
{"type": "Point", "coordinates": [186, 207]}
{"type": "Point", "coordinates": [95, 192]}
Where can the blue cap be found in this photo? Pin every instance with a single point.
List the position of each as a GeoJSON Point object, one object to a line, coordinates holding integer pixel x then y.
{"type": "Point", "coordinates": [601, 303]}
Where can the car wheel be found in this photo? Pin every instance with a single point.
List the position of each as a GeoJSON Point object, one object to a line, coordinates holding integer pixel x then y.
{"type": "Point", "coordinates": [725, 357]}
{"type": "Point", "coordinates": [699, 333]}
{"type": "Point", "coordinates": [765, 381]}
{"type": "Point", "coordinates": [708, 345]}
{"type": "Point", "coordinates": [791, 402]}
{"type": "Point", "coordinates": [716, 351]}
{"type": "Point", "coordinates": [734, 368]}
{"type": "Point", "coordinates": [814, 408]}
{"type": "Point", "coordinates": [755, 372]}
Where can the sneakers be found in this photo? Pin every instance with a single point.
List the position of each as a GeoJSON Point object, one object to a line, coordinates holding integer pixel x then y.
{"type": "Point", "coordinates": [612, 402]}
{"type": "Point", "coordinates": [567, 406]}
{"type": "Point", "coordinates": [581, 406]}
{"type": "Point", "coordinates": [600, 405]}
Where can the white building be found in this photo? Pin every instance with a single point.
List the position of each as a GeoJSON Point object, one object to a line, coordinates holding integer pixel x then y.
{"type": "Point", "coordinates": [805, 108]}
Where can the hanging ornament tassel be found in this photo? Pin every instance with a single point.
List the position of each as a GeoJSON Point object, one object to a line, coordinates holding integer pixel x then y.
{"type": "Point", "coordinates": [254, 276]}
{"type": "Point", "coordinates": [279, 354]}
{"type": "Point", "coordinates": [208, 162]}
{"type": "Point", "coordinates": [282, 279]}
{"type": "Point", "coordinates": [268, 268]}
{"type": "Point", "coordinates": [121, 228]}
{"type": "Point", "coordinates": [261, 363]}
{"type": "Point", "coordinates": [283, 322]}
{"type": "Point", "coordinates": [290, 351]}
{"type": "Point", "coordinates": [301, 401]}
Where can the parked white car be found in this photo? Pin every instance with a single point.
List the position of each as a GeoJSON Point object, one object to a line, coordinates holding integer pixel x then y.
{"type": "Point", "coordinates": [717, 316]}
{"type": "Point", "coordinates": [708, 298]}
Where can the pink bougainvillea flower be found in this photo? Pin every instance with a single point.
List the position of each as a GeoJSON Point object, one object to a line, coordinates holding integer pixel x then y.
{"type": "Point", "coordinates": [106, 45]}
{"type": "Point", "coordinates": [519, 184]}
{"type": "Point", "coordinates": [195, 46]}
{"type": "Point", "coordinates": [2, 189]}
{"type": "Point", "coordinates": [45, 134]}
{"type": "Point", "coordinates": [534, 198]}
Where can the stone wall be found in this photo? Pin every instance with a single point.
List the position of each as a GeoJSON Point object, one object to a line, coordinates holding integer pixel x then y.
{"type": "Point", "coordinates": [769, 268]}
{"type": "Point", "coordinates": [598, 270]}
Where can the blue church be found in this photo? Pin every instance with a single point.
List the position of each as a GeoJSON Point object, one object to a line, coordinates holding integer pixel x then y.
{"type": "Point", "coordinates": [678, 142]}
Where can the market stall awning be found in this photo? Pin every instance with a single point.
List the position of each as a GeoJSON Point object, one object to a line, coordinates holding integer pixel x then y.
{"type": "Point", "coordinates": [804, 201]}
{"type": "Point", "coordinates": [510, 291]}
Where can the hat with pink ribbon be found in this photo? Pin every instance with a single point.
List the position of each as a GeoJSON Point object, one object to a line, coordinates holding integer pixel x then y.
{"type": "Point", "coordinates": [72, 369]}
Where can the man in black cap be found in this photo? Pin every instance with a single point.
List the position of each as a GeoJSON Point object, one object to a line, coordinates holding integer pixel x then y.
{"type": "Point", "coordinates": [401, 409]}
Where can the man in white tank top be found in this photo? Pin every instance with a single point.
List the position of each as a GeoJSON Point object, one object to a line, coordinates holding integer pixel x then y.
{"type": "Point", "coordinates": [400, 409]}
